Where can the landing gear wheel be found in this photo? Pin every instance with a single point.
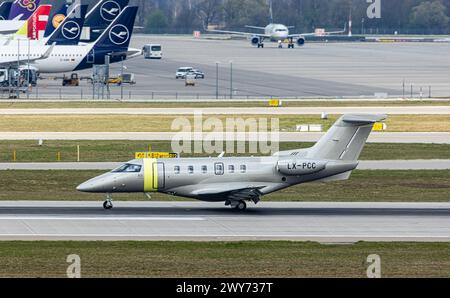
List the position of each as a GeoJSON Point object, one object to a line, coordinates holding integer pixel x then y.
{"type": "Point", "coordinates": [107, 205]}
{"type": "Point", "coordinates": [241, 206]}
{"type": "Point", "coordinates": [261, 45]}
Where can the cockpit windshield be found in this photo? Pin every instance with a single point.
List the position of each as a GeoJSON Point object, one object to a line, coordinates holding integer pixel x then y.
{"type": "Point", "coordinates": [128, 168]}
{"type": "Point", "coordinates": [281, 30]}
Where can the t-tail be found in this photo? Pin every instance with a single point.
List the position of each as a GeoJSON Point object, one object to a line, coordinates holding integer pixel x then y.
{"type": "Point", "coordinates": [69, 31]}
{"type": "Point", "coordinates": [116, 38]}
{"type": "Point", "coordinates": [346, 139]}
{"type": "Point", "coordinates": [34, 27]}
{"type": "Point", "coordinates": [100, 17]}
{"type": "Point", "coordinates": [5, 8]}
{"type": "Point", "coordinates": [21, 10]}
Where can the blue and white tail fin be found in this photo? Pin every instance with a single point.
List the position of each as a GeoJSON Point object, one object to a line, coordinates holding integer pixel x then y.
{"type": "Point", "coordinates": [57, 16]}
{"type": "Point", "coordinates": [100, 17]}
{"type": "Point", "coordinates": [69, 31]}
{"type": "Point", "coordinates": [117, 36]}
{"type": "Point", "coordinates": [21, 10]}
{"type": "Point", "coordinates": [5, 8]}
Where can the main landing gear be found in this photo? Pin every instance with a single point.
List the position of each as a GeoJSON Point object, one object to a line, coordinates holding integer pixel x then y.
{"type": "Point", "coordinates": [108, 205]}
{"type": "Point", "coordinates": [260, 45]}
{"type": "Point", "coordinates": [291, 44]}
{"type": "Point", "coordinates": [237, 205]}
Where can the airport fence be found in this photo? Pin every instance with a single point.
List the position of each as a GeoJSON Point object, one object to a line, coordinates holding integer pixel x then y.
{"type": "Point", "coordinates": [130, 93]}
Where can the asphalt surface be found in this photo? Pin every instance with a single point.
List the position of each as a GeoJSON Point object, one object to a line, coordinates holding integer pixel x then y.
{"type": "Point", "coordinates": [385, 137]}
{"type": "Point", "coordinates": [197, 221]}
{"type": "Point", "coordinates": [397, 110]}
{"type": "Point", "coordinates": [363, 165]}
{"type": "Point", "coordinates": [314, 71]}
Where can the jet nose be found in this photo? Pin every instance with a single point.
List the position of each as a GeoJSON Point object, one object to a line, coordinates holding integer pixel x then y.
{"type": "Point", "coordinates": [85, 187]}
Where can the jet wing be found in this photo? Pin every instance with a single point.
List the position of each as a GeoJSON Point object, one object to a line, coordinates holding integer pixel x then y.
{"type": "Point", "coordinates": [240, 33]}
{"type": "Point", "coordinates": [234, 192]}
{"type": "Point", "coordinates": [316, 34]}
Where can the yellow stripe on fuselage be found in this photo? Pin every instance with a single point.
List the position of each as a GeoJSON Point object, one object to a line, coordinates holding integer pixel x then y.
{"type": "Point", "coordinates": [150, 175]}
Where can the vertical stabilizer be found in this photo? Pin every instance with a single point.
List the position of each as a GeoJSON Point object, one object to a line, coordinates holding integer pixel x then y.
{"type": "Point", "coordinates": [345, 140]}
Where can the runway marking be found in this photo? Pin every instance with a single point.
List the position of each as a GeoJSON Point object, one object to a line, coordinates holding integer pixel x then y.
{"type": "Point", "coordinates": [103, 218]}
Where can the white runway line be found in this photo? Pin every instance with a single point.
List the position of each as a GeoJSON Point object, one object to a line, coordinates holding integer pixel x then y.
{"type": "Point", "coordinates": [98, 218]}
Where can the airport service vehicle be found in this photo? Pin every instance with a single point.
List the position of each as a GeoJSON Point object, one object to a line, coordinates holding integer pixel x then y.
{"type": "Point", "coordinates": [62, 58]}
{"type": "Point", "coordinates": [126, 78]}
{"type": "Point", "coordinates": [72, 81]}
{"type": "Point", "coordinates": [275, 33]}
{"type": "Point", "coordinates": [183, 71]}
{"type": "Point", "coordinates": [237, 180]}
{"type": "Point", "coordinates": [152, 51]}
{"type": "Point", "coordinates": [190, 79]}
{"type": "Point", "coordinates": [198, 74]}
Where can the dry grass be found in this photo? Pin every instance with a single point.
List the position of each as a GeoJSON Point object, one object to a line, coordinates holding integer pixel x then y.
{"type": "Point", "coordinates": [161, 123]}
{"type": "Point", "coordinates": [220, 259]}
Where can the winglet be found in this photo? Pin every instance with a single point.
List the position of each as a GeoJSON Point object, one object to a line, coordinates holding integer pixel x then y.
{"type": "Point", "coordinates": [48, 52]}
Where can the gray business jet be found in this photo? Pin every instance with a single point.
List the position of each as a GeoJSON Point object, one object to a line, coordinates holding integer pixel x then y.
{"type": "Point", "coordinates": [237, 180]}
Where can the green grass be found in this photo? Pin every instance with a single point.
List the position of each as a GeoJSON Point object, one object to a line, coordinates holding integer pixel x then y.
{"type": "Point", "coordinates": [121, 151]}
{"type": "Point", "coordinates": [224, 103]}
{"type": "Point", "coordinates": [162, 123]}
{"type": "Point", "coordinates": [220, 259]}
{"type": "Point", "coordinates": [364, 186]}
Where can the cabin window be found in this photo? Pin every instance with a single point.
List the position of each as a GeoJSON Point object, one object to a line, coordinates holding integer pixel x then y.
{"type": "Point", "coordinates": [191, 170]}
{"type": "Point", "coordinates": [231, 169]}
{"type": "Point", "coordinates": [204, 169]}
{"type": "Point", "coordinates": [243, 169]}
{"type": "Point", "coordinates": [219, 168]}
{"type": "Point", "coordinates": [176, 170]}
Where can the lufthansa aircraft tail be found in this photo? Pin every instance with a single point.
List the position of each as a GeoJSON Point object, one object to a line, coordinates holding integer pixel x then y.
{"type": "Point", "coordinates": [69, 31]}
{"type": "Point", "coordinates": [100, 17]}
{"type": "Point", "coordinates": [5, 8]}
{"type": "Point", "coordinates": [57, 15]}
{"type": "Point", "coordinates": [117, 36]}
{"type": "Point", "coordinates": [21, 10]}
{"type": "Point", "coordinates": [346, 139]}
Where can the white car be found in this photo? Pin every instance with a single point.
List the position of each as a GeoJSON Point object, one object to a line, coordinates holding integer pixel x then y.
{"type": "Point", "coordinates": [183, 71]}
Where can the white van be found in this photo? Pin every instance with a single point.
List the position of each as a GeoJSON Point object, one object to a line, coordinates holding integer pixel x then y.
{"type": "Point", "coordinates": [152, 51]}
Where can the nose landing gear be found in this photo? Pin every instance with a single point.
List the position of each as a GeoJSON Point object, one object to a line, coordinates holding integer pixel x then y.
{"type": "Point", "coordinates": [108, 205]}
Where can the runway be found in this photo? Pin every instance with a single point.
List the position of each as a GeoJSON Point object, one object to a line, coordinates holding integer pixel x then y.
{"type": "Point", "coordinates": [384, 137]}
{"type": "Point", "coordinates": [107, 166]}
{"type": "Point", "coordinates": [397, 110]}
{"type": "Point", "coordinates": [197, 221]}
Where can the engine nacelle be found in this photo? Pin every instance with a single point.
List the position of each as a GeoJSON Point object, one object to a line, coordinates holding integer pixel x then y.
{"type": "Point", "coordinates": [255, 40]}
{"type": "Point", "coordinates": [300, 167]}
{"type": "Point", "coordinates": [301, 41]}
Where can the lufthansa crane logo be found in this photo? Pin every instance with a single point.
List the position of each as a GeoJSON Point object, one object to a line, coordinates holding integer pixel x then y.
{"type": "Point", "coordinates": [110, 10]}
{"type": "Point", "coordinates": [119, 34]}
{"type": "Point", "coordinates": [57, 20]}
{"type": "Point", "coordinates": [71, 30]}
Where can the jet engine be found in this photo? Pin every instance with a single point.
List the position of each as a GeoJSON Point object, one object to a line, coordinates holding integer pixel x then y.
{"type": "Point", "coordinates": [255, 40]}
{"type": "Point", "coordinates": [301, 41]}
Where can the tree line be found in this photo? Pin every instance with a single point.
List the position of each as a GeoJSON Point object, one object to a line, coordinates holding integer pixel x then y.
{"type": "Point", "coordinates": [185, 16]}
